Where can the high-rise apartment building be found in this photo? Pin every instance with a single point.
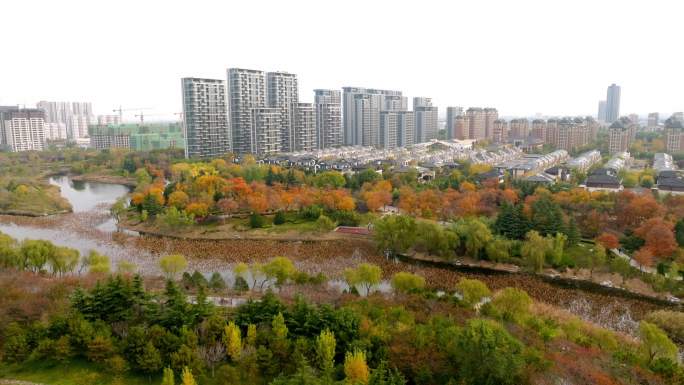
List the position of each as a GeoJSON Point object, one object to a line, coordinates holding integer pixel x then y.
{"type": "Point", "coordinates": [265, 131]}
{"type": "Point", "coordinates": [490, 115]}
{"type": "Point", "coordinates": [477, 123]}
{"type": "Point", "coordinates": [462, 127]}
{"type": "Point", "coordinates": [678, 116]}
{"type": "Point", "coordinates": [22, 129]}
{"type": "Point", "coordinates": [520, 128]}
{"type": "Point", "coordinates": [653, 118]}
{"type": "Point", "coordinates": [634, 118]}
{"type": "Point", "coordinates": [426, 117]}
{"type": "Point", "coordinates": [674, 135]}
{"type": "Point", "coordinates": [566, 134]}
{"type": "Point", "coordinates": [246, 93]}
{"type": "Point", "coordinates": [305, 127]}
{"type": "Point", "coordinates": [67, 120]}
{"type": "Point", "coordinates": [601, 111]}
{"type": "Point", "coordinates": [538, 130]}
{"type": "Point", "coordinates": [451, 114]}
{"type": "Point", "coordinates": [612, 103]}
{"type": "Point", "coordinates": [500, 134]}
{"type": "Point", "coordinates": [283, 94]}
{"type": "Point", "coordinates": [328, 105]}
{"type": "Point", "coordinates": [620, 135]}
{"type": "Point", "coordinates": [205, 118]}
{"type": "Point", "coordinates": [254, 98]}
{"type": "Point", "coordinates": [361, 113]}
{"type": "Point", "coordinates": [397, 129]}
{"type": "Point", "coordinates": [105, 120]}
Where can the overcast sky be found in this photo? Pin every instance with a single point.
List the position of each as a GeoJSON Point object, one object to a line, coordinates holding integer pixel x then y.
{"type": "Point", "coordinates": [520, 56]}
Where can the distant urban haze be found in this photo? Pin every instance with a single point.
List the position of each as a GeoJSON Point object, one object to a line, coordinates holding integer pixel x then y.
{"type": "Point", "coordinates": [524, 57]}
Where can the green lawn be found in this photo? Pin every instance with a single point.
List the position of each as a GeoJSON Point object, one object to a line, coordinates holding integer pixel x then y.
{"type": "Point", "coordinates": [74, 373]}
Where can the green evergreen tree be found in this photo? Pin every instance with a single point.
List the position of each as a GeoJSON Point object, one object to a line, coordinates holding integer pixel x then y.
{"type": "Point", "coordinates": [679, 232]}
{"type": "Point", "coordinates": [168, 377]}
{"type": "Point", "coordinates": [547, 216]}
{"type": "Point", "coordinates": [384, 375]}
{"type": "Point", "coordinates": [150, 361]}
{"type": "Point", "coordinates": [572, 231]}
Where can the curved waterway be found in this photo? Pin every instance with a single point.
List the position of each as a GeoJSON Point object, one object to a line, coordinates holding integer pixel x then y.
{"type": "Point", "coordinates": [91, 227]}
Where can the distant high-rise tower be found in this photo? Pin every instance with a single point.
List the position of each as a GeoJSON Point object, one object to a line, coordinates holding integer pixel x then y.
{"type": "Point", "coordinates": [653, 118]}
{"type": "Point", "coordinates": [426, 118]}
{"type": "Point", "coordinates": [451, 114]}
{"type": "Point", "coordinates": [674, 135]}
{"type": "Point", "coordinates": [328, 118]}
{"type": "Point", "coordinates": [22, 129]}
{"type": "Point", "coordinates": [601, 111]}
{"type": "Point", "coordinates": [620, 135]}
{"type": "Point", "coordinates": [397, 129]}
{"type": "Point", "coordinates": [476, 120]}
{"type": "Point", "coordinates": [519, 128]}
{"type": "Point", "coordinates": [283, 94]}
{"type": "Point", "coordinates": [205, 118]}
{"type": "Point", "coordinates": [612, 103]}
{"type": "Point", "coordinates": [361, 113]}
{"type": "Point", "coordinates": [305, 127]}
{"type": "Point", "coordinates": [490, 115]}
{"type": "Point", "coordinates": [500, 134]}
{"type": "Point", "coordinates": [256, 129]}
{"type": "Point", "coordinates": [70, 118]}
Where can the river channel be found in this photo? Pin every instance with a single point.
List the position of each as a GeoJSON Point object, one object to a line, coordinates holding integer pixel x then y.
{"type": "Point", "coordinates": [91, 227]}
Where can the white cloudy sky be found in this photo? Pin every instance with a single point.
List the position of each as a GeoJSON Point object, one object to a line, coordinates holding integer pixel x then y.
{"type": "Point", "coordinates": [521, 56]}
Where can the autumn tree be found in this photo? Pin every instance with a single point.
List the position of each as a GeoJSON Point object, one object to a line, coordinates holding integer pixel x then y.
{"type": "Point", "coordinates": [355, 368]}
{"type": "Point", "coordinates": [325, 352]}
{"type": "Point", "coordinates": [178, 199]}
{"type": "Point", "coordinates": [608, 240]}
{"type": "Point", "coordinates": [377, 196]}
{"type": "Point", "coordinates": [658, 236]}
{"type": "Point", "coordinates": [644, 257]}
{"type": "Point", "coordinates": [187, 377]}
{"type": "Point", "coordinates": [168, 377]}
{"type": "Point", "coordinates": [232, 340]}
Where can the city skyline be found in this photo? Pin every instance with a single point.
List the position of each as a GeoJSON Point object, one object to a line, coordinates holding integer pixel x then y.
{"type": "Point", "coordinates": [570, 86]}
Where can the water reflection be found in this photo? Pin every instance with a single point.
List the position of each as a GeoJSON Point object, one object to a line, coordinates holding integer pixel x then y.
{"type": "Point", "coordinates": [86, 196]}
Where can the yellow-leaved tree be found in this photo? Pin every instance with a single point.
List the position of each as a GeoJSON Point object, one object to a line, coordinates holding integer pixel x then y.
{"type": "Point", "coordinates": [355, 368]}
{"type": "Point", "coordinates": [232, 338]}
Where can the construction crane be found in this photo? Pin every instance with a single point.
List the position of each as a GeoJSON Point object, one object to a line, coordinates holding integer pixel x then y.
{"type": "Point", "coordinates": [121, 110]}
{"type": "Point", "coordinates": [142, 116]}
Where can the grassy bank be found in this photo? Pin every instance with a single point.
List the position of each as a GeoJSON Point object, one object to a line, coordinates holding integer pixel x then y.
{"type": "Point", "coordinates": [31, 197]}
{"type": "Point", "coordinates": [74, 373]}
